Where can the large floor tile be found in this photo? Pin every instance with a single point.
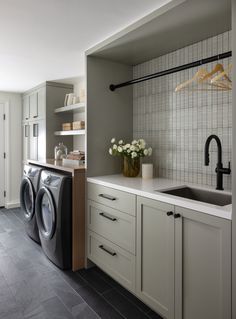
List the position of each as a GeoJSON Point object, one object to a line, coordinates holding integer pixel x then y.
{"type": "Point", "coordinates": [98, 283]}
{"type": "Point", "coordinates": [98, 303]}
{"type": "Point", "coordinates": [31, 287]}
{"type": "Point", "coordinates": [124, 306]}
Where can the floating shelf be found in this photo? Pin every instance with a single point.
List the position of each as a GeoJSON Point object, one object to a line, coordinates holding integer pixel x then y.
{"type": "Point", "coordinates": [74, 108]}
{"type": "Point", "coordinates": [72, 132]}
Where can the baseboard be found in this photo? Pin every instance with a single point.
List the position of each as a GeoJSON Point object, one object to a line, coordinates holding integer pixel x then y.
{"type": "Point", "coordinates": [12, 205]}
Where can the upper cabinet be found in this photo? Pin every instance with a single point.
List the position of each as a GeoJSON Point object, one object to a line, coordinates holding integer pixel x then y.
{"type": "Point", "coordinates": [26, 108]}
{"type": "Point", "coordinates": [41, 103]}
{"type": "Point", "coordinates": [34, 105]}
{"type": "Point", "coordinates": [40, 122]}
{"type": "Point", "coordinates": [33, 102]}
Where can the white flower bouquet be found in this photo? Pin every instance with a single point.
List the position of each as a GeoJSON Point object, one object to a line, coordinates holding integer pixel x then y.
{"type": "Point", "coordinates": [135, 149]}
{"type": "Point", "coordinates": [131, 152]}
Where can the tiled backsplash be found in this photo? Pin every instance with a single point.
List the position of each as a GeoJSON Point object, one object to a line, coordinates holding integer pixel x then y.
{"type": "Point", "coordinates": [177, 125]}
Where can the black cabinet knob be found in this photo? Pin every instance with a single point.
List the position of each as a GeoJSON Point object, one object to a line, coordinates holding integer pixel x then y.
{"type": "Point", "coordinates": [169, 213]}
{"type": "Point", "coordinates": [177, 215]}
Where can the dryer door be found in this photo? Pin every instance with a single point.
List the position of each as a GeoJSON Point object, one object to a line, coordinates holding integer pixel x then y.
{"type": "Point", "coordinates": [27, 198]}
{"type": "Point", "coordinates": [45, 213]}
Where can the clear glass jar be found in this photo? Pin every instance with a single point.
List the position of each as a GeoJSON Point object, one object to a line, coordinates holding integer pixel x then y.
{"type": "Point", "coordinates": [60, 151]}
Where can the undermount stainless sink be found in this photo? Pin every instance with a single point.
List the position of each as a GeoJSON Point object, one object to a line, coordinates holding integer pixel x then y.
{"type": "Point", "coordinates": [210, 197]}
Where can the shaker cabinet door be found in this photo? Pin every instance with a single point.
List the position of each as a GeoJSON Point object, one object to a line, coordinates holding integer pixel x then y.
{"type": "Point", "coordinates": [34, 141]}
{"type": "Point", "coordinates": [41, 137]}
{"type": "Point", "coordinates": [33, 99]}
{"type": "Point", "coordinates": [41, 96]}
{"type": "Point", "coordinates": [26, 108]}
{"type": "Point", "coordinates": [155, 255]}
{"type": "Point", "coordinates": [26, 137]}
{"type": "Point", "coordinates": [202, 266]}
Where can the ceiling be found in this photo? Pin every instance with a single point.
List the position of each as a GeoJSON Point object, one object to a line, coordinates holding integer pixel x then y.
{"type": "Point", "coordinates": [46, 39]}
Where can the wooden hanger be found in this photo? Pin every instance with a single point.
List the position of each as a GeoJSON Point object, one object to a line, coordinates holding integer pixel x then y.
{"type": "Point", "coordinates": [201, 73]}
{"type": "Point", "coordinates": [202, 78]}
{"type": "Point", "coordinates": [222, 79]}
{"type": "Point", "coordinates": [218, 68]}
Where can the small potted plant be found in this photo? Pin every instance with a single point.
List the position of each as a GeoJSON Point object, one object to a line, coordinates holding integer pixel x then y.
{"type": "Point", "coordinates": [131, 152]}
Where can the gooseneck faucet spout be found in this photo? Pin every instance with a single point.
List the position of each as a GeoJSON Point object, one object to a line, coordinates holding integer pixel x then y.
{"type": "Point", "coordinates": [219, 168]}
{"type": "Point", "coordinates": [207, 145]}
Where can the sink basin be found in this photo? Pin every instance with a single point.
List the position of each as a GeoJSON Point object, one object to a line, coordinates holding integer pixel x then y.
{"type": "Point", "coordinates": [215, 198]}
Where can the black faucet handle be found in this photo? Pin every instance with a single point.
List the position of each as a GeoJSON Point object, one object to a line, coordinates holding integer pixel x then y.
{"type": "Point", "coordinates": [229, 166]}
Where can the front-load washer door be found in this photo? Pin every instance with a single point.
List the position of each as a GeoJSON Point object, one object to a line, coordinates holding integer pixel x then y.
{"type": "Point", "coordinates": [45, 213]}
{"type": "Point", "coordinates": [27, 198]}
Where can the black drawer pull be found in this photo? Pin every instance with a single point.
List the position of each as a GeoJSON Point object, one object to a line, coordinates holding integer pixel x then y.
{"type": "Point", "coordinates": [169, 213]}
{"type": "Point", "coordinates": [35, 116]}
{"type": "Point", "coordinates": [107, 251]}
{"type": "Point", "coordinates": [177, 215]}
{"type": "Point", "coordinates": [107, 196]}
{"type": "Point", "coordinates": [113, 219]}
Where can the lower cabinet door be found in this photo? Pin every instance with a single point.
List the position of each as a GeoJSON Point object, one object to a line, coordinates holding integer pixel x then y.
{"type": "Point", "coordinates": [155, 255]}
{"type": "Point", "coordinates": [114, 260]}
{"type": "Point", "coordinates": [26, 137]}
{"type": "Point", "coordinates": [34, 141]}
{"type": "Point", "coordinates": [202, 266]}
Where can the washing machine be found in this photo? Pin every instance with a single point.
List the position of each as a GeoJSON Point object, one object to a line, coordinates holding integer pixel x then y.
{"type": "Point", "coordinates": [54, 217]}
{"type": "Point", "coordinates": [28, 191]}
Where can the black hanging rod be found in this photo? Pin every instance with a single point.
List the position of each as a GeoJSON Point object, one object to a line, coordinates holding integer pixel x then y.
{"type": "Point", "coordinates": [217, 57]}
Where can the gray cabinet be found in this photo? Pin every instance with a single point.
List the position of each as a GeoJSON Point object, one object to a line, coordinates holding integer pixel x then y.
{"type": "Point", "coordinates": [183, 261]}
{"type": "Point", "coordinates": [37, 140]}
{"type": "Point", "coordinates": [33, 141]}
{"type": "Point", "coordinates": [112, 232]}
{"type": "Point", "coordinates": [202, 266]}
{"type": "Point", "coordinates": [41, 100]}
{"type": "Point", "coordinates": [39, 121]}
{"type": "Point", "coordinates": [26, 109]}
{"type": "Point", "coordinates": [33, 105]}
{"type": "Point", "coordinates": [155, 256]}
{"type": "Point", "coordinates": [26, 139]}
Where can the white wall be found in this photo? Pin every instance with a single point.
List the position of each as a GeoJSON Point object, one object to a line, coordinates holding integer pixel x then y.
{"type": "Point", "coordinates": [14, 148]}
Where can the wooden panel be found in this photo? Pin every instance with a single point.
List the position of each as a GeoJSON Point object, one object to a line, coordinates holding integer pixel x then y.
{"type": "Point", "coordinates": [155, 256]}
{"type": "Point", "coordinates": [114, 198]}
{"type": "Point", "coordinates": [203, 266]}
{"type": "Point", "coordinates": [120, 265]}
{"type": "Point", "coordinates": [113, 225]}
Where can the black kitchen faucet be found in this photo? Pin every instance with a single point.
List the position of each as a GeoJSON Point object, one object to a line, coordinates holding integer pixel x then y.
{"type": "Point", "coordinates": [220, 170]}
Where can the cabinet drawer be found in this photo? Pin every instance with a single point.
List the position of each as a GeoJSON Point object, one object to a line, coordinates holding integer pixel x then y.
{"type": "Point", "coordinates": [113, 225]}
{"type": "Point", "coordinates": [113, 198]}
{"type": "Point", "coordinates": [115, 261]}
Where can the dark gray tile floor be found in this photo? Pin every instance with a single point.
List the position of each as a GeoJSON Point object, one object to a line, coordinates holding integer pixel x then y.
{"type": "Point", "coordinates": [32, 287]}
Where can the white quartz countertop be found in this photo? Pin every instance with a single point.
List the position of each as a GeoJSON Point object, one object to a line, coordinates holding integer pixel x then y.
{"type": "Point", "coordinates": [152, 189]}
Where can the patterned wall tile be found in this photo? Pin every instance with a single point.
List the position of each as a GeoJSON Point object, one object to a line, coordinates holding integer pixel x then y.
{"type": "Point", "coordinates": [177, 125]}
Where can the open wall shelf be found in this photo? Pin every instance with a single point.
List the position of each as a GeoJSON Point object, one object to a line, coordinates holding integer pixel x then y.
{"type": "Point", "coordinates": [72, 132]}
{"type": "Point", "coordinates": [74, 108]}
